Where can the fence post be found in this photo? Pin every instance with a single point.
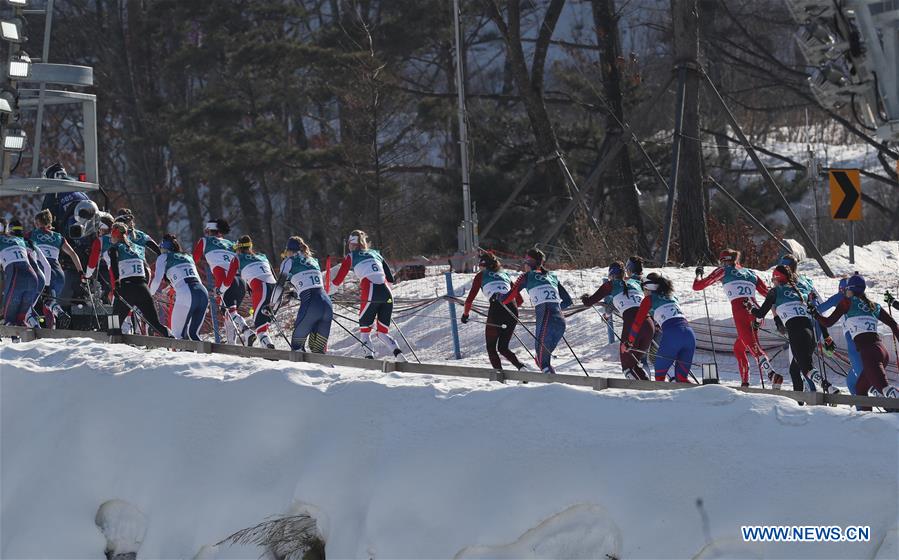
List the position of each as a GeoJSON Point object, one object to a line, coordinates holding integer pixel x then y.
{"type": "Point", "coordinates": [213, 306]}
{"type": "Point", "coordinates": [610, 317]}
{"type": "Point", "coordinates": [457, 352]}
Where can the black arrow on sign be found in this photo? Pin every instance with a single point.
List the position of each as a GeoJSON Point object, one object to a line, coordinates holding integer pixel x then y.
{"type": "Point", "coordinates": [850, 195]}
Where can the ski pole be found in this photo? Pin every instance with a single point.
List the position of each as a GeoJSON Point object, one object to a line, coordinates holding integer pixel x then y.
{"type": "Point", "coordinates": [364, 345]}
{"type": "Point", "coordinates": [399, 330]}
{"type": "Point", "coordinates": [278, 325]}
{"type": "Point", "coordinates": [227, 315]}
{"type": "Point", "coordinates": [525, 327]}
{"type": "Point", "coordinates": [137, 314]}
{"type": "Point", "coordinates": [578, 360]}
{"type": "Point", "coordinates": [708, 319]}
{"type": "Point", "coordinates": [90, 296]}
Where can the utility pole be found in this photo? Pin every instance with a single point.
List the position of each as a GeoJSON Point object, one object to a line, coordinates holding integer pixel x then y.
{"type": "Point", "coordinates": [468, 239]}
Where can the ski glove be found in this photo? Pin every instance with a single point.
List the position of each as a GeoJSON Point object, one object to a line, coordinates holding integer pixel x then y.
{"type": "Point", "coordinates": [829, 347]}
{"type": "Point", "coordinates": [464, 318]}
{"type": "Point", "coordinates": [584, 298]}
{"type": "Point", "coordinates": [888, 297]}
{"type": "Point", "coordinates": [812, 310]}
{"type": "Point", "coordinates": [699, 271]}
{"type": "Point", "coordinates": [747, 303]}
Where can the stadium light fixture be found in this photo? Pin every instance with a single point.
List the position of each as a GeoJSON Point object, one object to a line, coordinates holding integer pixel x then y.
{"type": "Point", "coordinates": [7, 102]}
{"type": "Point", "coordinates": [14, 138]}
{"type": "Point", "coordinates": [19, 66]}
{"type": "Point", "coordinates": [13, 30]}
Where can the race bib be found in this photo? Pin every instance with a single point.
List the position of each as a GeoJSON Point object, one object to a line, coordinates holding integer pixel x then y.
{"type": "Point", "coordinates": [791, 309]}
{"type": "Point", "coordinates": [306, 280]}
{"type": "Point", "coordinates": [260, 270]}
{"type": "Point", "coordinates": [491, 289]}
{"type": "Point", "coordinates": [544, 294]}
{"type": "Point", "coordinates": [131, 268]}
{"type": "Point", "coordinates": [861, 324]}
{"type": "Point", "coordinates": [739, 289]}
{"type": "Point", "coordinates": [13, 254]}
{"type": "Point", "coordinates": [371, 269]}
{"type": "Point", "coordinates": [220, 258]}
{"type": "Point", "coordinates": [665, 312]}
{"type": "Point", "coordinates": [49, 251]}
{"type": "Point", "coordinates": [624, 301]}
{"type": "Point", "coordinates": [180, 272]}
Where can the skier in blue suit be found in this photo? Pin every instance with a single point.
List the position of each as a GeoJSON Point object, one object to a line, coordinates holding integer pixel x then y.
{"type": "Point", "coordinates": [313, 322]}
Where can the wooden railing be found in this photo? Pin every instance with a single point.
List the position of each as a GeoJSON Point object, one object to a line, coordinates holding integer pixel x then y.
{"type": "Point", "coordinates": [594, 382]}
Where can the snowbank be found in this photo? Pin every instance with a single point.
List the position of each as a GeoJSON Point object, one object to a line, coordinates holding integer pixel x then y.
{"type": "Point", "coordinates": [395, 466]}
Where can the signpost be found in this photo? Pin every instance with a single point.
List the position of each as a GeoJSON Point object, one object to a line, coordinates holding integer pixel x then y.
{"type": "Point", "coordinates": [846, 201]}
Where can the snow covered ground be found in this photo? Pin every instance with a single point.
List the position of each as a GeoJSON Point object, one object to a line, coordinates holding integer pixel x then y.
{"type": "Point", "coordinates": [181, 450]}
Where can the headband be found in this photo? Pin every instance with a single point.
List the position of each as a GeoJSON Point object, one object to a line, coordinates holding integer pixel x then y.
{"type": "Point", "coordinates": [167, 244]}
{"type": "Point", "coordinates": [650, 285]}
{"type": "Point", "coordinates": [124, 217]}
{"type": "Point", "coordinates": [212, 226]}
{"type": "Point", "coordinates": [354, 239]}
{"type": "Point", "coordinates": [247, 245]}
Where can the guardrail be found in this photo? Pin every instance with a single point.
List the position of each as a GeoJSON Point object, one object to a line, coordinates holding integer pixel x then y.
{"type": "Point", "coordinates": [596, 383]}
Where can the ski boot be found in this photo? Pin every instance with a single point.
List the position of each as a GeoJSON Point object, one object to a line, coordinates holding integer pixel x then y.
{"type": "Point", "coordinates": [826, 387]}
{"type": "Point", "coordinates": [549, 370]}
{"type": "Point", "coordinates": [629, 373]}
{"type": "Point", "coordinates": [266, 341]}
{"type": "Point", "coordinates": [248, 336]}
{"type": "Point", "coordinates": [399, 356]}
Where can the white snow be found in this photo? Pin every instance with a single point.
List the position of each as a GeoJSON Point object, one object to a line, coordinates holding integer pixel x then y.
{"type": "Point", "coordinates": [415, 466]}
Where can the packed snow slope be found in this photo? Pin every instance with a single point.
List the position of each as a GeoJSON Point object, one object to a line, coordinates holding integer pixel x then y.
{"type": "Point", "coordinates": [183, 450]}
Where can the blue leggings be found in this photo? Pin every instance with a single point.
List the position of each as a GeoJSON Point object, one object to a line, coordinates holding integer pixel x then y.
{"type": "Point", "coordinates": [313, 321]}
{"type": "Point", "coordinates": [856, 361]}
{"type": "Point", "coordinates": [550, 329]}
{"type": "Point", "coordinates": [189, 310]}
{"type": "Point", "coordinates": [678, 345]}
{"type": "Point", "coordinates": [20, 291]}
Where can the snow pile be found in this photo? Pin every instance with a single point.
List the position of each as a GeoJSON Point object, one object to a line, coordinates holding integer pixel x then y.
{"type": "Point", "coordinates": [196, 447]}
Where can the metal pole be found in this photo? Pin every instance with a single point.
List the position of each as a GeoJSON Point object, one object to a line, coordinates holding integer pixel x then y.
{"type": "Point", "coordinates": [39, 122]}
{"type": "Point", "coordinates": [454, 326]}
{"type": "Point", "coordinates": [851, 242]}
{"type": "Point", "coordinates": [467, 244]}
{"type": "Point", "coordinates": [675, 162]}
{"type": "Point", "coordinates": [213, 306]}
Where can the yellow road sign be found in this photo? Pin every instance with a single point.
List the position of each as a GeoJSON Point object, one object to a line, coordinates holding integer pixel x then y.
{"type": "Point", "coordinates": [845, 194]}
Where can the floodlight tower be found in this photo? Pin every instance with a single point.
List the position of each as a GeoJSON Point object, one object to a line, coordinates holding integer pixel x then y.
{"type": "Point", "coordinates": [853, 48]}
{"type": "Point", "coordinates": [23, 70]}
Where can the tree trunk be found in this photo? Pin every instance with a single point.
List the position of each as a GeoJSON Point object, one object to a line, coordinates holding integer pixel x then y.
{"type": "Point", "coordinates": [530, 82]}
{"type": "Point", "coordinates": [624, 197]}
{"type": "Point", "coordinates": [691, 209]}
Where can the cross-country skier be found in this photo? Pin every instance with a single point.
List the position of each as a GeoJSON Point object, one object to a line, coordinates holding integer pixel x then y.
{"type": "Point", "coordinates": [627, 295]}
{"type": "Point", "coordinates": [41, 267]}
{"type": "Point", "coordinates": [22, 281]}
{"type": "Point", "coordinates": [128, 271]}
{"type": "Point", "coordinates": [138, 238]}
{"type": "Point", "coordinates": [790, 299]}
{"type": "Point", "coordinates": [376, 298]}
{"type": "Point", "coordinates": [501, 321]}
{"type": "Point", "coordinates": [740, 285]}
{"type": "Point", "coordinates": [97, 258]}
{"type": "Point", "coordinates": [313, 322]}
{"type": "Point", "coordinates": [855, 361]}
{"type": "Point", "coordinates": [811, 295]}
{"type": "Point", "coordinates": [862, 316]}
{"type": "Point", "coordinates": [218, 253]}
{"type": "Point", "coordinates": [255, 269]}
{"type": "Point", "coordinates": [549, 298]}
{"type": "Point", "coordinates": [191, 298]}
{"type": "Point", "coordinates": [51, 244]}
{"type": "Point", "coordinates": [678, 342]}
